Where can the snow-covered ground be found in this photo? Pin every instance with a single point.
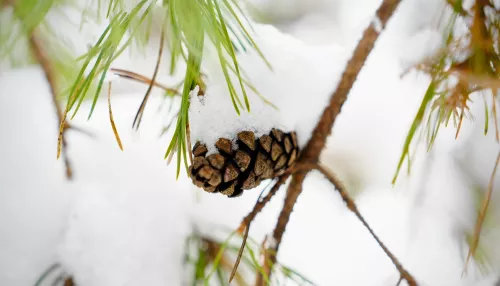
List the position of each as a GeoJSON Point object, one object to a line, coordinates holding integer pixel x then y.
{"type": "Point", "coordinates": [124, 217]}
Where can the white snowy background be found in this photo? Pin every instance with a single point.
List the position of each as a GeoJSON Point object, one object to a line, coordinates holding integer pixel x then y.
{"type": "Point", "coordinates": [124, 217]}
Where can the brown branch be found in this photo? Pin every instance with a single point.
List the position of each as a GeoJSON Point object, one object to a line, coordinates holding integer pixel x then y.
{"type": "Point", "coordinates": [140, 112]}
{"type": "Point", "coordinates": [351, 205]}
{"type": "Point", "coordinates": [323, 128]}
{"type": "Point", "coordinates": [293, 192]}
{"type": "Point", "coordinates": [45, 64]}
{"type": "Point", "coordinates": [319, 136]}
{"type": "Point", "coordinates": [142, 79]}
{"type": "Point", "coordinates": [261, 203]}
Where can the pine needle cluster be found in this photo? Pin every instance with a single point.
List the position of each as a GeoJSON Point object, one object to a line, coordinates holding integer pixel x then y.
{"type": "Point", "coordinates": [468, 63]}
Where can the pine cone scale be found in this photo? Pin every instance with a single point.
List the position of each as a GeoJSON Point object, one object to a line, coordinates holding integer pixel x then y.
{"type": "Point", "coordinates": [255, 159]}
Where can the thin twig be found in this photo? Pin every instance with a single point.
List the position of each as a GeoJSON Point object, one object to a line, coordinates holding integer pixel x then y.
{"type": "Point", "coordinates": [245, 224]}
{"type": "Point", "coordinates": [316, 144]}
{"type": "Point", "coordinates": [293, 192]}
{"type": "Point", "coordinates": [140, 111]}
{"type": "Point", "coordinates": [49, 73]}
{"type": "Point", "coordinates": [482, 215]}
{"type": "Point", "coordinates": [260, 204]}
{"type": "Point", "coordinates": [351, 205]}
{"type": "Point", "coordinates": [142, 79]}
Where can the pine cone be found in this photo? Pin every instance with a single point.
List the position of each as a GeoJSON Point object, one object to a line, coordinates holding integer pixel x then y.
{"type": "Point", "coordinates": [232, 171]}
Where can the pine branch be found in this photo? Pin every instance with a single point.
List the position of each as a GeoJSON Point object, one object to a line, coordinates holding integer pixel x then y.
{"type": "Point", "coordinates": [322, 130]}
{"type": "Point", "coordinates": [293, 192]}
{"type": "Point", "coordinates": [49, 73]}
{"type": "Point", "coordinates": [319, 136]}
{"type": "Point", "coordinates": [261, 203]}
{"type": "Point", "coordinates": [351, 205]}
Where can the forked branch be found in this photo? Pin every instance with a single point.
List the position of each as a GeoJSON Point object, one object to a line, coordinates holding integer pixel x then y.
{"type": "Point", "coordinates": [317, 142]}
{"type": "Point", "coordinates": [261, 203]}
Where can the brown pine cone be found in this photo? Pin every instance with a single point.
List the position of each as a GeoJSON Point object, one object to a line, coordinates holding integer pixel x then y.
{"type": "Point", "coordinates": [232, 171]}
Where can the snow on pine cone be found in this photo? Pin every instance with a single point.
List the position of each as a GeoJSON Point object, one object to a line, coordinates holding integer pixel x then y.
{"type": "Point", "coordinates": [232, 171]}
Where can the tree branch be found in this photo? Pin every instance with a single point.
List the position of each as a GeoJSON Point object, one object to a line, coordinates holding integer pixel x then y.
{"type": "Point", "coordinates": [293, 192]}
{"type": "Point", "coordinates": [49, 73]}
{"type": "Point", "coordinates": [339, 186]}
{"type": "Point", "coordinates": [261, 203]}
{"type": "Point", "coordinates": [319, 136]}
{"type": "Point", "coordinates": [317, 142]}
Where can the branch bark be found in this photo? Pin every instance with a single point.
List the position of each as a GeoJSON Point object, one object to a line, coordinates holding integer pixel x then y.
{"type": "Point", "coordinates": [261, 203]}
{"type": "Point", "coordinates": [317, 142]}
{"type": "Point", "coordinates": [293, 192]}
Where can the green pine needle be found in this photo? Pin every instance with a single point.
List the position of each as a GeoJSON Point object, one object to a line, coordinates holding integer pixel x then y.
{"type": "Point", "coordinates": [414, 127]}
{"type": "Point", "coordinates": [190, 23]}
{"type": "Point", "coordinates": [209, 267]}
{"type": "Point", "coordinates": [204, 19]}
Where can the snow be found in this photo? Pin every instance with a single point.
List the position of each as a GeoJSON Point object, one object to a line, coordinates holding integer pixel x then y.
{"type": "Point", "coordinates": [123, 219]}
{"type": "Point", "coordinates": [377, 24]}
{"type": "Point", "coordinates": [107, 230]}
{"type": "Point", "coordinates": [285, 86]}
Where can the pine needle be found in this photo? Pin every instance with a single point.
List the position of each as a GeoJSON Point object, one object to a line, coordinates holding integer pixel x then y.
{"type": "Point", "coordinates": [112, 121]}
{"type": "Point", "coordinates": [143, 79]}
{"type": "Point", "coordinates": [188, 138]}
{"type": "Point", "coordinates": [46, 273]}
{"type": "Point", "coordinates": [495, 117]}
{"type": "Point", "coordinates": [414, 126]}
{"type": "Point", "coordinates": [240, 253]}
{"type": "Point", "coordinates": [140, 112]}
